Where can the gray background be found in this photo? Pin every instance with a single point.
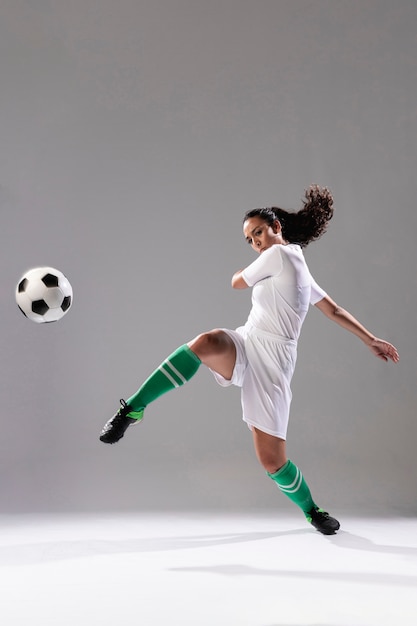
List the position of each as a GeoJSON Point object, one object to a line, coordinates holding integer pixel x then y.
{"type": "Point", "coordinates": [134, 135]}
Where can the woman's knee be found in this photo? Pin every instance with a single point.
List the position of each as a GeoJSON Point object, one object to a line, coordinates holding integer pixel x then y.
{"type": "Point", "coordinates": [216, 350]}
{"type": "Point", "coordinates": [270, 463]}
{"type": "Point", "coordinates": [270, 450]}
{"type": "Point", "coordinates": [208, 343]}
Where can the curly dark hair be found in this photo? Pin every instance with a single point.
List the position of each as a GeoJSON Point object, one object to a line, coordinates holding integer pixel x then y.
{"type": "Point", "coordinates": [305, 225]}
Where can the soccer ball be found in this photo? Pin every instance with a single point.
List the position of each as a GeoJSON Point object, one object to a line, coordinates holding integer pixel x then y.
{"type": "Point", "coordinates": [44, 294]}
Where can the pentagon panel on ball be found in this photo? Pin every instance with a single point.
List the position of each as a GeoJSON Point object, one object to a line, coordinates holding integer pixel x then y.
{"type": "Point", "coordinates": [44, 294]}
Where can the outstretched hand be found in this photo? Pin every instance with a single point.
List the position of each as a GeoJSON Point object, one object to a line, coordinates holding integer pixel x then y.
{"type": "Point", "coordinates": [384, 350]}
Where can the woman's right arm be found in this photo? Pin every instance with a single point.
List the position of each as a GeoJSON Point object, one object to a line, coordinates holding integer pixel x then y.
{"type": "Point", "coordinates": [238, 282]}
{"type": "Point", "coordinates": [269, 263]}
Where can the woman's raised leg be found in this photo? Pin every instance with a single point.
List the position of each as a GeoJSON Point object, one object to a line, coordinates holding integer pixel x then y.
{"type": "Point", "coordinates": [214, 348]}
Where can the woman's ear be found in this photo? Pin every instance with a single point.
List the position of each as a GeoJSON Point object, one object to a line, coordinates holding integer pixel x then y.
{"type": "Point", "coordinates": [276, 227]}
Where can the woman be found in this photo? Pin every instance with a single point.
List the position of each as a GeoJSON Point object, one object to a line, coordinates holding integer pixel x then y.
{"type": "Point", "coordinates": [260, 356]}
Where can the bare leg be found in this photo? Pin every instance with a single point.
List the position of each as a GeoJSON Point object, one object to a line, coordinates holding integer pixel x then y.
{"type": "Point", "coordinates": [270, 450]}
{"type": "Point", "coordinates": [216, 349]}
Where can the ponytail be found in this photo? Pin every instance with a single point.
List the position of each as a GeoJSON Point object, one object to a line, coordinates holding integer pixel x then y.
{"type": "Point", "coordinates": [306, 225]}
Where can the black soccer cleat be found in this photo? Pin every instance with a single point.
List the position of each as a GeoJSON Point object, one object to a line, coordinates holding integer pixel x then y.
{"type": "Point", "coordinates": [322, 521]}
{"type": "Point", "coordinates": [116, 427]}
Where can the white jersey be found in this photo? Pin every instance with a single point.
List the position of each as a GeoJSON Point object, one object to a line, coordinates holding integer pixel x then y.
{"type": "Point", "coordinates": [283, 288]}
{"type": "Point", "coordinates": [266, 346]}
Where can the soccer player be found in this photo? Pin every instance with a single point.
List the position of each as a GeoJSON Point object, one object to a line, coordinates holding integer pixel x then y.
{"type": "Point", "coordinates": [260, 356]}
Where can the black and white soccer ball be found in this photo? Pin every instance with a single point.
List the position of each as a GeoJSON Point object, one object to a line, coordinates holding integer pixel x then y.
{"type": "Point", "coordinates": [44, 294]}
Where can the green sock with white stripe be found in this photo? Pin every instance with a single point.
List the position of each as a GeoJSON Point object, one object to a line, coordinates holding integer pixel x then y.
{"type": "Point", "coordinates": [291, 482]}
{"type": "Point", "coordinates": [176, 370]}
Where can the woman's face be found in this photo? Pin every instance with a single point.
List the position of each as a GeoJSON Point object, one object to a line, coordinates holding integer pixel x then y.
{"type": "Point", "coordinates": [260, 235]}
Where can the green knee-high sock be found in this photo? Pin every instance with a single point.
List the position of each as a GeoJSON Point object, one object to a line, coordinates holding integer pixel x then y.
{"type": "Point", "coordinates": [176, 370]}
{"type": "Point", "coordinates": [291, 482]}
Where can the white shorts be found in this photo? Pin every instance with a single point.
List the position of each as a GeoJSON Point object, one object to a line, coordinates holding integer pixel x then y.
{"type": "Point", "coordinates": [264, 368]}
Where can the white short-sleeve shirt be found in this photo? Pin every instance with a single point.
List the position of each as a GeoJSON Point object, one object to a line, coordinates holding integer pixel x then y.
{"type": "Point", "coordinates": [266, 346]}
{"type": "Point", "coordinates": [282, 290]}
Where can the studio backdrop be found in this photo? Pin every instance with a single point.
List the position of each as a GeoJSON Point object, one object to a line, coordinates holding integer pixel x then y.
{"type": "Point", "coordinates": [134, 136]}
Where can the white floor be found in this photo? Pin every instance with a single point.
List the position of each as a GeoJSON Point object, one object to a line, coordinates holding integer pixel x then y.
{"type": "Point", "coordinates": [206, 570]}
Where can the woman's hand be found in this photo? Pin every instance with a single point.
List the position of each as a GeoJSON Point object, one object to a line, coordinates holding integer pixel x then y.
{"type": "Point", "coordinates": [384, 350]}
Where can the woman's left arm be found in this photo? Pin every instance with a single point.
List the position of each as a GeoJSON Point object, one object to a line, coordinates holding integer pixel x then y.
{"type": "Point", "coordinates": [382, 349]}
